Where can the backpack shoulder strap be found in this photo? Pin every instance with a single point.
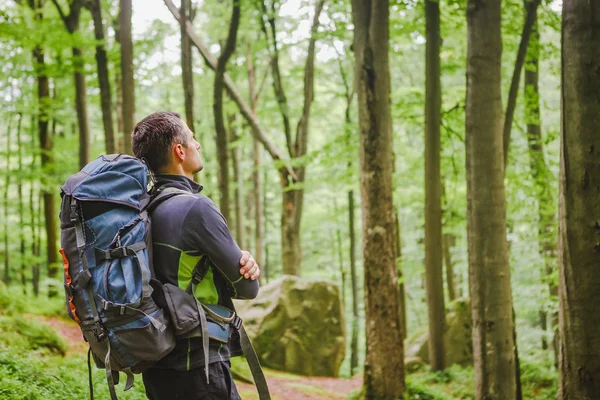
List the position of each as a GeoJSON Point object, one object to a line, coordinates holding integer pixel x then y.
{"type": "Point", "coordinates": [163, 195]}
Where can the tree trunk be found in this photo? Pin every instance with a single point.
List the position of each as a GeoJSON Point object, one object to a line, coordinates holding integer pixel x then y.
{"type": "Point", "coordinates": [434, 281]}
{"type": "Point", "coordinates": [579, 213]}
{"type": "Point", "coordinates": [71, 22]}
{"type": "Point", "coordinates": [128, 89]}
{"type": "Point", "coordinates": [221, 132]}
{"type": "Point", "coordinates": [530, 16]}
{"type": "Point", "coordinates": [7, 277]}
{"type": "Point", "coordinates": [187, 62]}
{"type": "Point", "coordinates": [47, 161]}
{"type": "Point", "coordinates": [292, 200]}
{"type": "Point", "coordinates": [119, 146]}
{"type": "Point", "coordinates": [256, 181]}
{"type": "Point", "coordinates": [238, 195]}
{"type": "Point", "coordinates": [35, 264]}
{"type": "Point", "coordinates": [384, 363]}
{"type": "Point", "coordinates": [542, 176]}
{"type": "Point", "coordinates": [489, 272]}
{"type": "Point", "coordinates": [447, 245]}
{"type": "Point", "coordinates": [103, 79]}
{"type": "Point", "coordinates": [354, 284]}
{"type": "Point", "coordinates": [20, 195]}
{"type": "Point", "coordinates": [401, 286]}
{"type": "Point", "coordinates": [81, 107]}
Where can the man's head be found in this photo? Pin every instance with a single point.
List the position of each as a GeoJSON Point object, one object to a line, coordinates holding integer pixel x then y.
{"type": "Point", "coordinates": [164, 140]}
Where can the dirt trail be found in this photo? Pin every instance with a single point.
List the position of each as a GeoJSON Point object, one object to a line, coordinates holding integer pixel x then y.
{"type": "Point", "coordinates": [282, 386]}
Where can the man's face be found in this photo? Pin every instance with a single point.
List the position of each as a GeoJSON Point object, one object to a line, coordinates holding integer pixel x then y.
{"type": "Point", "coordinates": [193, 161]}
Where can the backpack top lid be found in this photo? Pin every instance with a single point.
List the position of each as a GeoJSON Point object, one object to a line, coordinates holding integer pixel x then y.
{"type": "Point", "coordinates": [115, 178]}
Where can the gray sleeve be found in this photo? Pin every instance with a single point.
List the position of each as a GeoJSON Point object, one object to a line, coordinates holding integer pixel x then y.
{"type": "Point", "coordinates": [205, 230]}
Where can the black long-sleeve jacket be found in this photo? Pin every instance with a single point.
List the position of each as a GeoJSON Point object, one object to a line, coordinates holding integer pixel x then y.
{"type": "Point", "coordinates": [186, 228]}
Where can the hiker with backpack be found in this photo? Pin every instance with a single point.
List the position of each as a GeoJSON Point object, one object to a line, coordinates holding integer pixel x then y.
{"type": "Point", "coordinates": [150, 268]}
{"type": "Point", "coordinates": [192, 249]}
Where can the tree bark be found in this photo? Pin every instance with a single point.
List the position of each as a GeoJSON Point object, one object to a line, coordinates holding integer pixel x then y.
{"type": "Point", "coordinates": [128, 89]}
{"type": "Point", "coordinates": [434, 281]}
{"type": "Point", "coordinates": [489, 272]}
{"type": "Point", "coordinates": [187, 62]}
{"type": "Point", "coordinates": [221, 132]}
{"type": "Point", "coordinates": [579, 211]}
{"type": "Point", "coordinates": [384, 363]}
{"type": "Point", "coordinates": [95, 8]}
{"type": "Point", "coordinates": [530, 16]}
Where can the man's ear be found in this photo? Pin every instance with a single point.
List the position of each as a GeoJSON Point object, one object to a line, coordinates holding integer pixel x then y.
{"type": "Point", "coordinates": [178, 152]}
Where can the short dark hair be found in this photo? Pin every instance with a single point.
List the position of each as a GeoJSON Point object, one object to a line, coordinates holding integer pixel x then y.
{"type": "Point", "coordinates": [153, 137]}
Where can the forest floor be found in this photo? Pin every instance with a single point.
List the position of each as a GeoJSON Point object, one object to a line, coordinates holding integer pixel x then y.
{"type": "Point", "coordinates": [281, 385]}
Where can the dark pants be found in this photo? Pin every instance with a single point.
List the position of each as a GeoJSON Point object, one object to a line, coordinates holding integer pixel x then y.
{"type": "Point", "coordinates": [168, 384]}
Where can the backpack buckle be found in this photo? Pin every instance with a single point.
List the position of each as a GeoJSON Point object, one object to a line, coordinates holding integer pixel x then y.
{"type": "Point", "coordinates": [119, 252]}
{"type": "Point", "coordinates": [99, 332]}
{"type": "Point", "coordinates": [237, 322]}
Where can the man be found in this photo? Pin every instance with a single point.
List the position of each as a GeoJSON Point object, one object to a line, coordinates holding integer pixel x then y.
{"type": "Point", "coordinates": [186, 228]}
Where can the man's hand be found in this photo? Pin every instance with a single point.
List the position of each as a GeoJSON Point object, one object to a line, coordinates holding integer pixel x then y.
{"type": "Point", "coordinates": [250, 269]}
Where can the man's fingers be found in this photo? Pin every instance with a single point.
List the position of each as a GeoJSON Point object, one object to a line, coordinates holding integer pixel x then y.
{"type": "Point", "coordinates": [245, 257]}
{"type": "Point", "coordinates": [245, 270]}
{"type": "Point", "coordinates": [256, 273]}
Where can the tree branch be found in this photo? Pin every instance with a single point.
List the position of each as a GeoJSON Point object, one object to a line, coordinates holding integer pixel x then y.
{"type": "Point", "coordinates": [257, 129]}
{"type": "Point", "coordinates": [60, 11]}
{"type": "Point", "coordinates": [531, 9]}
{"type": "Point", "coordinates": [277, 83]}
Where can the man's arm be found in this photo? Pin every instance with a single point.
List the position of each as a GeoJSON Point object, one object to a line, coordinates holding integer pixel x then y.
{"type": "Point", "coordinates": [205, 229]}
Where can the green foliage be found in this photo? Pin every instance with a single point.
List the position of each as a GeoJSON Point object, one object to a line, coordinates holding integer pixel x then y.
{"type": "Point", "coordinates": [29, 335]}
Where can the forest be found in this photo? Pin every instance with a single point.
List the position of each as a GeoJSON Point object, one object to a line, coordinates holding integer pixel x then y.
{"type": "Point", "coordinates": [432, 161]}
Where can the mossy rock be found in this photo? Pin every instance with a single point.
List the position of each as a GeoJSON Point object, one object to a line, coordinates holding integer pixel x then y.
{"type": "Point", "coordinates": [297, 326]}
{"type": "Point", "coordinates": [458, 342]}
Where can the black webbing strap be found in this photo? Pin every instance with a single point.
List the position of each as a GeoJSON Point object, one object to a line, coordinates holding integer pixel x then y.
{"type": "Point", "coordinates": [109, 374]}
{"type": "Point", "coordinates": [91, 382]}
{"type": "Point", "coordinates": [257, 373]}
{"type": "Point", "coordinates": [80, 236]}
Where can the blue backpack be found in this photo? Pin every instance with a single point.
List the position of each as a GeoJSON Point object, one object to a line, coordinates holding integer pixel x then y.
{"type": "Point", "coordinates": [129, 319]}
{"type": "Point", "coordinates": [106, 250]}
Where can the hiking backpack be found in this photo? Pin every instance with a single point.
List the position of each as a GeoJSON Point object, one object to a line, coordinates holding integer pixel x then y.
{"type": "Point", "coordinates": [129, 319]}
{"type": "Point", "coordinates": [105, 240]}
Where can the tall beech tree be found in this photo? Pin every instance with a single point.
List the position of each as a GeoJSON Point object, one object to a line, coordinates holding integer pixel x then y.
{"type": "Point", "coordinates": [489, 272]}
{"type": "Point", "coordinates": [579, 210]}
{"type": "Point", "coordinates": [384, 360]}
{"type": "Point", "coordinates": [46, 147]}
{"type": "Point", "coordinates": [71, 22]}
{"type": "Point", "coordinates": [95, 8]}
{"type": "Point", "coordinates": [7, 275]}
{"type": "Point", "coordinates": [434, 278]}
{"type": "Point", "coordinates": [128, 84]}
{"type": "Point", "coordinates": [542, 177]}
{"type": "Point", "coordinates": [221, 131]}
{"type": "Point", "coordinates": [292, 199]}
{"type": "Point", "coordinates": [188, 13]}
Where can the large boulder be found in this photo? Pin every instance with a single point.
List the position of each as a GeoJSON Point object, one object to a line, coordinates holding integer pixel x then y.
{"type": "Point", "coordinates": [297, 326]}
{"type": "Point", "coordinates": [457, 338]}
